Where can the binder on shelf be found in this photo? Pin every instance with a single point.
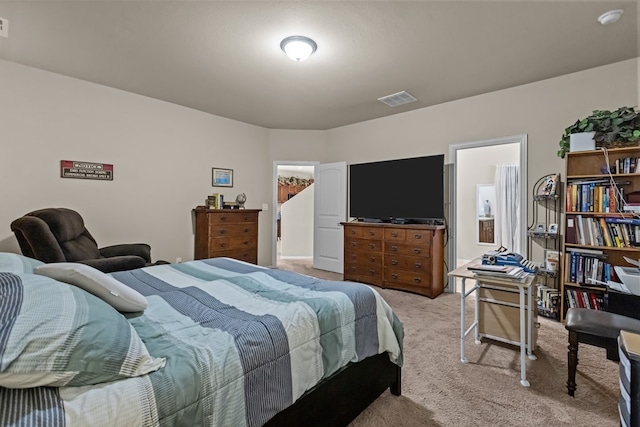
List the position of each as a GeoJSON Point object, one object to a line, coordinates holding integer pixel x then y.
{"type": "Point", "coordinates": [570, 230]}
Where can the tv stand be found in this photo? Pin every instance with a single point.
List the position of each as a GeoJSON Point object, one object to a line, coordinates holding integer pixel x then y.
{"type": "Point", "coordinates": [408, 257]}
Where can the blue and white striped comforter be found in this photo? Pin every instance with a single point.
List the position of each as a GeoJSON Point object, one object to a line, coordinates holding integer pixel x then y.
{"type": "Point", "coordinates": [242, 343]}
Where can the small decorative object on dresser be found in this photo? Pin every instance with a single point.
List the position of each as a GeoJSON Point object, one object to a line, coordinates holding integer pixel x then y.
{"type": "Point", "coordinates": [241, 199]}
{"type": "Point", "coordinates": [226, 233]}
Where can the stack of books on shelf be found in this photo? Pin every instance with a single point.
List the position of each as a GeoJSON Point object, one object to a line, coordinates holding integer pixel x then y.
{"type": "Point", "coordinates": [548, 301]}
{"type": "Point", "coordinates": [613, 232]}
{"type": "Point", "coordinates": [585, 299]}
{"type": "Point", "coordinates": [587, 267]}
{"type": "Point", "coordinates": [597, 195]}
{"type": "Point", "coordinates": [501, 273]}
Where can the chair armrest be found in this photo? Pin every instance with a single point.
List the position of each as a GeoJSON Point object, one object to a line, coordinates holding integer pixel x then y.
{"type": "Point", "coordinates": [115, 263]}
{"type": "Point", "coordinates": [138, 249]}
{"type": "Point", "coordinates": [36, 239]}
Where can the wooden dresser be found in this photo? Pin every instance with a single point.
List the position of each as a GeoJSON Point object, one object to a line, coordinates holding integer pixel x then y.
{"type": "Point", "coordinates": [226, 233]}
{"type": "Point", "coordinates": [405, 257]}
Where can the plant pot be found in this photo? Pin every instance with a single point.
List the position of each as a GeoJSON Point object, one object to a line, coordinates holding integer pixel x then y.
{"type": "Point", "coordinates": [582, 141]}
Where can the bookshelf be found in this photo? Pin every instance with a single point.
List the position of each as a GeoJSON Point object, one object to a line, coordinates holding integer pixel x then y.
{"type": "Point", "coordinates": [599, 229]}
{"type": "Point", "coordinates": [544, 232]}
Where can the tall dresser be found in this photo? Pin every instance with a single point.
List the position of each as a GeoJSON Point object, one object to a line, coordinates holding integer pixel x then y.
{"type": "Point", "coordinates": [226, 233]}
{"type": "Point", "coordinates": [395, 256]}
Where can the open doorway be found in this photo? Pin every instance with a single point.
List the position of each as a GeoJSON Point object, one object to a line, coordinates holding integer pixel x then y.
{"type": "Point", "coordinates": [293, 212]}
{"type": "Point", "coordinates": [475, 164]}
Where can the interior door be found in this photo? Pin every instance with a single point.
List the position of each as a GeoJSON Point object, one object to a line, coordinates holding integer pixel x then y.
{"type": "Point", "coordinates": [330, 209]}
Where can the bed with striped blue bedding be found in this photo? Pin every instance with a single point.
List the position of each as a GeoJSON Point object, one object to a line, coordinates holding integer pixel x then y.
{"type": "Point", "coordinates": [241, 343]}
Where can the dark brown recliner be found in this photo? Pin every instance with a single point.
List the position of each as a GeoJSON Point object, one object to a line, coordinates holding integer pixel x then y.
{"type": "Point", "coordinates": [59, 235]}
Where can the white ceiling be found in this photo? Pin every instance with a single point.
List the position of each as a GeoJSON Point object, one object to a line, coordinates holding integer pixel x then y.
{"type": "Point", "coordinates": [223, 57]}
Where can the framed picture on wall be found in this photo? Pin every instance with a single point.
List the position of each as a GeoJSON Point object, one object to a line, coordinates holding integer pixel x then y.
{"type": "Point", "coordinates": [222, 177]}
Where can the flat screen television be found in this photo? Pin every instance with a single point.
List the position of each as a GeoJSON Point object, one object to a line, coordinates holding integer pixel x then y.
{"type": "Point", "coordinates": [403, 190]}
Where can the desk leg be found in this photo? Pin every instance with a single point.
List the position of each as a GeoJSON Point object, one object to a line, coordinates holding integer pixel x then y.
{"type": "Point", "coordinates": [532, 306]}
{"type": "Point", "coordinates": [463, 359]}
{"type": "Point", "coordinates": [476, 320]}
{"type": "Point", "coordinates": [523, 344]}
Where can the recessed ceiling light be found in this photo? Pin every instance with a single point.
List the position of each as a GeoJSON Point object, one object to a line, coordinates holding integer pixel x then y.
{"type": "Point", "coordinates": [610, 17]}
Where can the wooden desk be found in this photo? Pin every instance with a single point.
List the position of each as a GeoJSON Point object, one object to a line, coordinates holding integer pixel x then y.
{"type": "Point", "coordinates": [525, 290]}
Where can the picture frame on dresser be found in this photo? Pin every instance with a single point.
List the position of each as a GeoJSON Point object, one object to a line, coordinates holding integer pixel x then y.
{"type": "Point", "coordinates": [221, 177]}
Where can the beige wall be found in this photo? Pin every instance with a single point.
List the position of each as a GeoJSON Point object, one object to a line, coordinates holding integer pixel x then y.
{"type": "Point", "coordinates": [163, 153]}
{"type": "Point", "coordinates": [162, 156]}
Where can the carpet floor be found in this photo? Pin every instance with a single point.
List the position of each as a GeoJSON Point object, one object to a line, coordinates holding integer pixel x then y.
{"type": "Point", "coordinates": [439, 390]}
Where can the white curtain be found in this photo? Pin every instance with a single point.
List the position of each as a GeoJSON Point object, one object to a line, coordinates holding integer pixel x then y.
{"type": "Point", "coordinates": [507, 182]}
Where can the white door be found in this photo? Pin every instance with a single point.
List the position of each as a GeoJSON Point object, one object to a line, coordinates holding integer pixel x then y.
{"type": "Point", "coordinates": [330, 209]}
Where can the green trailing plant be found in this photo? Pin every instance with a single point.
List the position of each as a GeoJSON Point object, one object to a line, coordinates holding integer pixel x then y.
{"type": "Point", "coordinates": [612, 128]}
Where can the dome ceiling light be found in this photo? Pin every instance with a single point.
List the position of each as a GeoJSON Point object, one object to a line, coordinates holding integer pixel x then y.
{"type": "Point", "coordinates": [298, 48]}
{"type": "Point", "coordinates": [610, 17]}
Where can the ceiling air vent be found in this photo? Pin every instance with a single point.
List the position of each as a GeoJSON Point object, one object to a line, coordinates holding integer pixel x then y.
{"type": "Point", "coordinates": [397, 99]}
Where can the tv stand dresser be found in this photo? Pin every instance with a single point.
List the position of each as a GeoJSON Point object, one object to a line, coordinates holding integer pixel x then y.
{"type": "Point", "coordinates": [408, 257]}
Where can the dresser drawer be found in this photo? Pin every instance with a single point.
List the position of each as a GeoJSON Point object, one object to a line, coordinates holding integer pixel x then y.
{"type": "Point", "coordinates": [248, 255]}
{"type": "Point", "coordinates": [363, 232]}
{"type": "Point", "coordinates": [232, 217]}
{"type": "Point", "coordinates": [409, 263]}
{"type": "Point", "coordinates": [407, 249]}
{"type": "Point", "coordinates": [364, 257]}
{"type": "Point", "coordinates": [352, 244]}
{"type": "Point", "coordinates": [414, 278]}
{"type": "Point", "coordinates": [248, 229]}
{"type": "Point", "coordinates": [413, 237]}
{"type": "Point", "coordinates": [217, 244]}
{"type": "Point", "coordinates": [363, 273]}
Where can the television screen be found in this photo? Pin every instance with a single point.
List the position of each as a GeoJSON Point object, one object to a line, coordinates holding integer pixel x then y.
{"type": "Point", "coordinates": [408, 189]}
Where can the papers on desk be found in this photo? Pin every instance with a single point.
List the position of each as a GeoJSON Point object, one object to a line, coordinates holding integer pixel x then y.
{"type": "Point", "coordinates": [506, 273]}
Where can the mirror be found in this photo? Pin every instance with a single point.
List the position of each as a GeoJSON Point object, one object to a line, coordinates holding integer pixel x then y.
{"type": "Point", "coordinates": [485, 215]}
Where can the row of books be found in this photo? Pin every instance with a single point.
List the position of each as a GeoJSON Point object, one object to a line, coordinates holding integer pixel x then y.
{"type": "Point", "coordinates": [603, 231]}
{"type": "Point", "coordinates": [548, 301]}
{"type": "Point", "coordinates": [626, 165]}
{"type": "Point", "coordinates": [587, 268]}
{"type": "Point", "coordinates": [585, 299]}
{"type": "Point", "coordinates": [215, 201]}
{"type": "Point", "coordinates": [594, 196]}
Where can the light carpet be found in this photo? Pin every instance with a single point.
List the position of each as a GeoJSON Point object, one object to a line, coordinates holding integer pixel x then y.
{"type": "Point", "coordinates": [439, 390]}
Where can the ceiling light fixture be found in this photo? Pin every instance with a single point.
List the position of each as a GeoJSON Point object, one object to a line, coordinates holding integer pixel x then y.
{"type": "Point", "coordinates": [298, 48]}
{"type": "Point", "coordinates": [610, 17]}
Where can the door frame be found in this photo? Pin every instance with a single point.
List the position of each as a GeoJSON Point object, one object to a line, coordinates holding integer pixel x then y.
{"type": "Point", "coordinates": [274, 202]}
{"type": "Point", "coordinates": [452, 253]}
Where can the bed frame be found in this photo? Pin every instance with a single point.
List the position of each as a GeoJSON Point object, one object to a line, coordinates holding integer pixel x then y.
{"type": "Point", "coordinates": [339, 399]}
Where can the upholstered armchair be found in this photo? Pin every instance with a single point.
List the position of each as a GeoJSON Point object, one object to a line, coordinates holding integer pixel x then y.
{"type": "Point", "coordinates": [59, 235]}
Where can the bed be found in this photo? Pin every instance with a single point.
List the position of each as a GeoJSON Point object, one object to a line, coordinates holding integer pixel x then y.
{"type": "Point", "coordinates": [216, 342]}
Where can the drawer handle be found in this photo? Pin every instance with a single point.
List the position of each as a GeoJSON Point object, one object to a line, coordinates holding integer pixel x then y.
{"type": "Point", "coordinates": [223, 218]}
{"type": "Point", "coordinates": [246, 230]}
{"type": "Point", "coordinates": [353, 256]}
{"type": "Point", "coordinates": [372, 271]}
{"type": "Point", "coordinates": [246, 242]}
{"type": "Point", "coordinates": [394, 262]}
{"type": "Point", "coordinates": [417, 236]}
{"type": "Point", "coordinates": [223, 231]}
{"type": "Point", "coordinates": [394, 234]}
{"type": "Point", "coordinates": [394, 248]}
{"type": "Point", "coordinates": [223, 245]}
{"type": "Point", "coordinates": [353, 231]}
{"type": "Point", "coordinates": [372, 259]}
{"type": "Point", "coordinates": [417, 250]}
{"type": "Point", "coordinates": [372, 233]}
{"type": "Point", "coordinates": [352, 269]}
{"type": "Point", "coordinates": [417, 280]}
{"type": "Point", "coordinates": [353, 244]}
{"type": "Point", "coordinates": [418, 265]}
{"type": "Point", "coordinates": [372, 245]}
{"type": "Point", "coordinates": [246, 217]}
{"type": "Point", "coordinates": [394, 276]}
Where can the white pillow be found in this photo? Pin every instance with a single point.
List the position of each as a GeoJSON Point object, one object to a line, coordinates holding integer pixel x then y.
{"type": "Point", "coordinates": [120, 296]}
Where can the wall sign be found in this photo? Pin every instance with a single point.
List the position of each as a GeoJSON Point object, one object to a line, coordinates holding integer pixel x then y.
{"type": "Point", "coordinates": [86, 170]}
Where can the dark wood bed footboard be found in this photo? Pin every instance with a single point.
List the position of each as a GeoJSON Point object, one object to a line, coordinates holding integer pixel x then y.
{"type": "Point", "coordinates": [339, 399]}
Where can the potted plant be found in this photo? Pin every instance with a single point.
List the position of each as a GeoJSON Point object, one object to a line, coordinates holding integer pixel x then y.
{"type": "Point", "coordinates": [616, 128]}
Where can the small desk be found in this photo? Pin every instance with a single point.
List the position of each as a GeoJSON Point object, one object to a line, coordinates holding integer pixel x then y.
{"type": "Point", "coordinates": [525, 332]}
